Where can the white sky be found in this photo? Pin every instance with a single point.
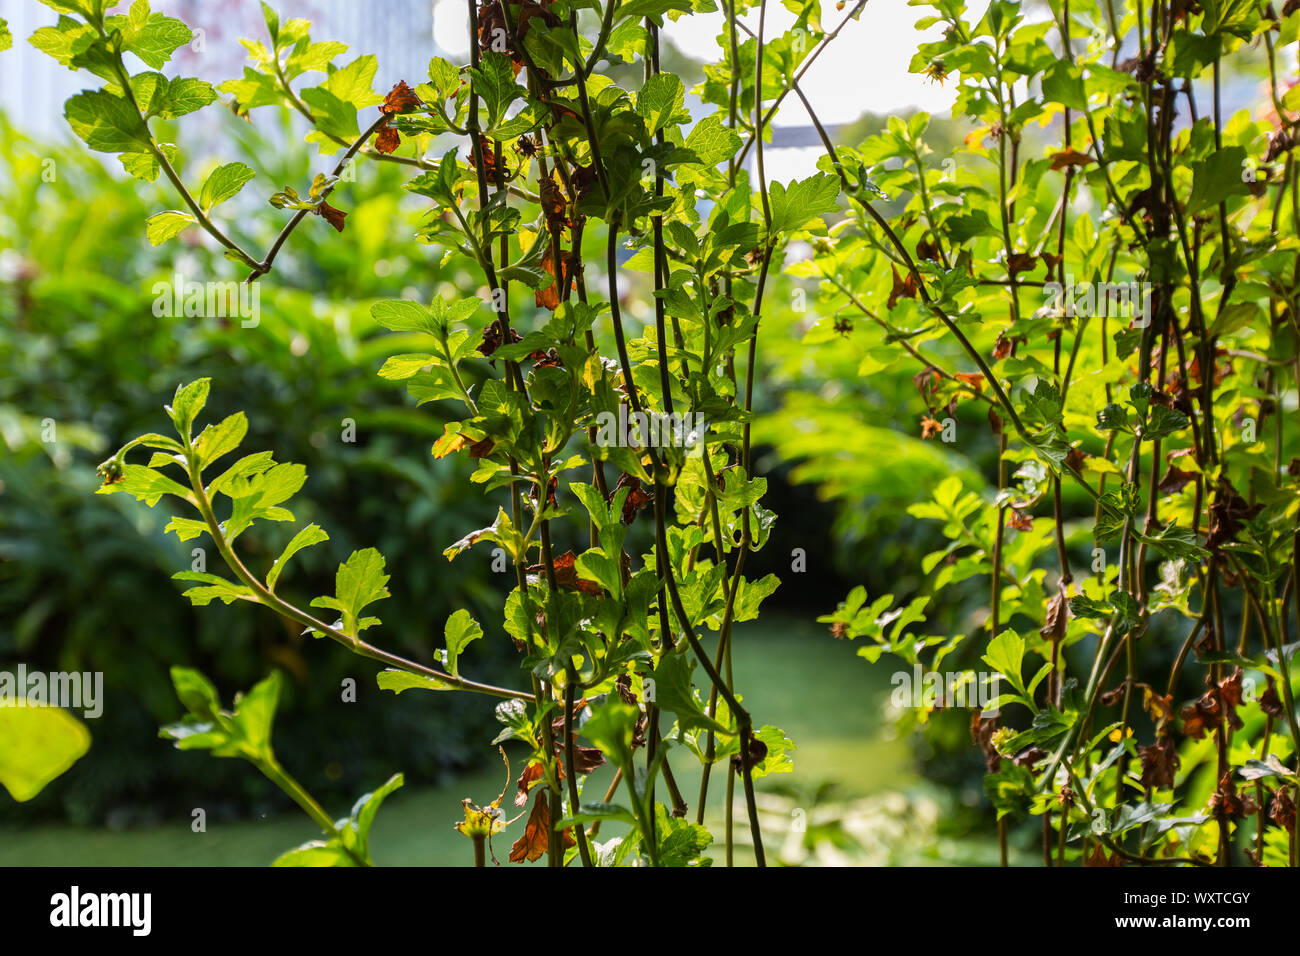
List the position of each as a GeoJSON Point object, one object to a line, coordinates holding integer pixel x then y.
{"type": "Point", "coordinates": [863, 70]}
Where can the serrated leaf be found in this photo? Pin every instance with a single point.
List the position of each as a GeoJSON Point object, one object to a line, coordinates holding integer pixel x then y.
{"type": "Point", "coordinates": [312, 534]}
{"type": "Point", "coordinates": [223, 183]}
{"type": "Point", "coordinates": [403, 315]}
{"type": "Point", "coordinates": [803, 202]}
{"type": "Point", "coordinates": [398, 681]}
{"type": "Point", "coordinates": [163, 226]}
{"type": "Point", "coordinates": [660, 99]}
{"type": "Point", "coordinates": [107, 123]}
{"type": "Point", "coordinates": [220, 439]}
{"type": "Point", "coordinates": [461, 629]}
{"type": "Point", "coordinates": [359, 582]}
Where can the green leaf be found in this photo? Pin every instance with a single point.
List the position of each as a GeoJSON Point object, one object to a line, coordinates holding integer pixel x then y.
{"type": "Point", "coordinates": [398, 367]}
{"type": "Point", "coordinates": [147, 485]}
{"type": "Point", "coordinates": [220, 439]}
{"type": "Point", "coordinates": [152, 37]}
{"type": "Point", "coordinates": [1081, 606]}
{"type": "Point", "coordinates": [186, 528]}
{"type": "Point", "coordinates": [803, 202]}
{"type": "Point", "coordinates": [403, 315]}
{"type": "Point", "coordinates": [353, 83]}
{"type": "Point", "coordinates": [107, 122]}
{"type": "Point", "coordinates": [37, 744]}
{"type": "Point", "coordinates": [1174, 542]}
{"type": "Point", "coordinates": [681, 842]}
{"type": "Point", "coordinates": [6, 38]}
{"type": "Point", "coordinates": [660, 99]}
{"type": "Point", "coordinates": [494, 84]}
{"type": "Point", "coordinates": [1271, 766]}
{"type": "Point", "coordinates": [778, 746]}
{"type": "Point", "coordinates": [185, 95]}
{"type": "Point", "coordinates": [1063, 83]}
{"type": "Point", "coordinates": [1217, 177]}
{"type": "Point", "coordinates": [1163, 422]}
{"type": "Point", "coordinates": [144, 166]}
{"type": "Point", "coordinates": [187, 403]}
{"type": "Point", "coordinates": [1113, 417]}
{"type": "Point", "coordinates": [333, 117]}
{"type": "Point", "coordinates": [223, 183]}
{"type": "Point", "coordinates": [595, 812]}
{"type": "Point", "coordinates": [1006, 654]}
{"type": "Point", "coordinates": [610, 728]}
{"type": "Point", "coordinates": [259, 495]}
{"type": "Point", "coordinates": [360, 581]}
{"type": "Point", "coordinates": [167, 225]}
{"type": "Point", "coordinates": [316, 853]}
{"type": "Point", "coordinates": [214, 589]}
{"type": "Point", "coordinates": [655, 9]}
{"type": "Point", "coordinates": [673, 693]}
{"type": "Point", "coordinates": [255, 713]}
{"type": "Point", "coordinates": [196, 692]}
{"type": "Point", "coordinates": [397, 681]}
{"type": "Point", "coordinates": [245, 732]}
{"type": "Point", "coordinates": [460, 630]}
{"type": "Point", "coordinates": [363, 813]}
{"type": "Point", "coordinates": [711, 141]}
{"type": "Point", "coordinates": [312, 534]}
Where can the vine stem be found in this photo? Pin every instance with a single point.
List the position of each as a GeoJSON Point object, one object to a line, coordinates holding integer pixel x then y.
{"type": "Point", "coordinates": [124, 80]}
{"type": "Point", "coordinates": [272, 770]}
{"type": "Point", "coordinates": [269, 598]}
{"type": "Point", "coordinates": [1003, 400]}
{"type": "Point", "coordinates": [264, 266]}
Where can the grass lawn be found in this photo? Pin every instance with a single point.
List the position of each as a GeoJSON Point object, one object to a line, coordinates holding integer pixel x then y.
{"type": "Point", "coordinates": [791, 673]}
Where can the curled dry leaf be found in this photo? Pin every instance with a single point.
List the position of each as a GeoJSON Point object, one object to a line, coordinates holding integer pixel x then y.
{"type": "Point", "coordinates": [331, 215]}
{"type": "Point", "coordinates": [400, 99]}
{"type": "Point", "coordinates": [903, 288]}
{"type": "Point", "coordinates": [1160, 762]}
{"type": "Point", "coordinates": [1056, 618]}
{"type": "Point", "coordinates": [1070, 157]}
{"type": "Point", "coordinates": [387, 140]}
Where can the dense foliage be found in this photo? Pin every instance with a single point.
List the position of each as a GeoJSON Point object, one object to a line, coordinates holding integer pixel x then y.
{"type": "Point", "coordinates": [86, 588]}
{"type": "Point", "coordinates": [1099, 290]}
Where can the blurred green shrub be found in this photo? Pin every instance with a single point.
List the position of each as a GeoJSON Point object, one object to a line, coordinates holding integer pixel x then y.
{"type": "Point", "coordinates": [87, 362]}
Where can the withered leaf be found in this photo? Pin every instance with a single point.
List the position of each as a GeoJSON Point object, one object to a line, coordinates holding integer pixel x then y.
{"type": "Point", "coordinates": [536, 834]}
{"type": "Point", "coordinates": [400, 99]}
{"type": "Point", "coordinates": [1018, 520]}
{"type": "Point", "coordinates": [532, 774]}
{"type": "Point", "coordinates": [1175, 480]}
{"type": "Point", "coordinates": [331, 215]}
{"type": "Point", "coordinates": [981, 734]}
{"type": "Point", "coordinates": [549, 298]}
{"type": "Point", "coordinates": [1057, 617]}
{"type": "Point", "coordinates": [1160, 762]}
{"type": "Point", "coordinates": [903, 288]}
{"type": "Point", "coordinates": [566, 574]}
{"type": "Point", "coordinates": [1070, 157]}
{"type": "Point", "coordinates": [1019, 262]}
{"type": "Point", "coordinates": [387, 140]}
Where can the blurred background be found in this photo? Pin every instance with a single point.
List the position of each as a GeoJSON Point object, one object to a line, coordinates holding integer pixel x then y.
{"type": "Point", "coordinates": [85, 581]}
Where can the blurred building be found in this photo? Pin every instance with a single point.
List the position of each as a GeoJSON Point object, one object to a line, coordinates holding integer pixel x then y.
{"type": "Point", "coordinates": [33, 86]}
